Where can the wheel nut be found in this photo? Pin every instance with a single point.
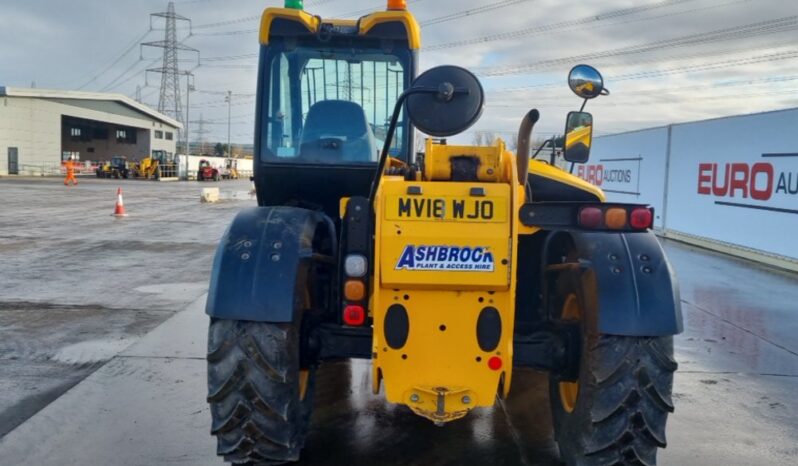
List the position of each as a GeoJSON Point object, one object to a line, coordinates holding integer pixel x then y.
{"type": "Point", "coordinates": [466, 400]}
{"type": "Point", "coordinates": [414, 398]}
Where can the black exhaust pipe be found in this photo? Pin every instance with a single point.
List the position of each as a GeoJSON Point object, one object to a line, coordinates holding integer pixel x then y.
{"type": "Point", "coordinates": [524, 138]}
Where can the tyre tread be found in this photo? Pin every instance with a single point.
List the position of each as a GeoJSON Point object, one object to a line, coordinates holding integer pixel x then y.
{"type": "Point", "coordinates": [251, 389]}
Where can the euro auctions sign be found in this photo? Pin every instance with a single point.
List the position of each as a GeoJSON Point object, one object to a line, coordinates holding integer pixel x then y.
{"type": "Point", "coordinates": [770, 184]}
{"type": "Point", "coordinates": [620, 175]}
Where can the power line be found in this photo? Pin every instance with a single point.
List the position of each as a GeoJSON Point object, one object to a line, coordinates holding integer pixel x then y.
{"type": "Point", "coordinates": [783, 24]}
{"type": "Point", "coordinates": [107, 68]}
{"type": "Point", "coordinates": [470, 12]}
{"type": "Point", "coordinates": [559, 26]}
{"type": "Point", "coordinates": [437, 20]}
{"type": "Point", "coordinates": [116, 81]}
{"type": "Point", "coordinates": [362, 11]}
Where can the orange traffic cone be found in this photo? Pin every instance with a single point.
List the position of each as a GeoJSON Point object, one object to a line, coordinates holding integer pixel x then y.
{"type": "Point", "coordinates": [119, 211]}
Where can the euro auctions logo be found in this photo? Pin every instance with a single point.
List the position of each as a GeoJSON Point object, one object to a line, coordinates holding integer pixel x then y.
{"type": "Point", "coordinates": [768, 182]}
{"type": "Point", "coordinates": [620, 175]}
{"type": "Point", "coordinates": [446, 258]}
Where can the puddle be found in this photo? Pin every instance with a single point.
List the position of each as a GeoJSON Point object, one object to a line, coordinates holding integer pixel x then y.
{"type": "Point", "coordinates": [174, 288]}
{"type": "Point", "coordinates": [237, 195]}
{"type": "Point", "coordinates": [91, 351]}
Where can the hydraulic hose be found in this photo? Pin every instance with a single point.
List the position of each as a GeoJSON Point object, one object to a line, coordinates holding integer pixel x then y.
{"type": "Point", "coordinates": [524, 138]}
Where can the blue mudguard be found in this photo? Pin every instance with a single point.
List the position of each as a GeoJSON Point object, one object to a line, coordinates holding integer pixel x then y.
{"type": "Point", "coordinates": [261, 264]}
{"type": "Point", "coordinates": [638, 294]}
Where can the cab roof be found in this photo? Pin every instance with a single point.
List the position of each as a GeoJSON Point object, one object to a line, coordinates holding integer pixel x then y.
{"type": "Point", "coordinates": [392, 24]}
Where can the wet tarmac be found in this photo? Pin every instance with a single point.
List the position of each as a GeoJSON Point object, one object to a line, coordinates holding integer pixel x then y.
{"type": "Point", "coordinates": [735, 390]}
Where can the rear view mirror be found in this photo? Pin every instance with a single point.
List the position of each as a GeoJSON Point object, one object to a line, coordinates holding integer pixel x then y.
{"type": "Point", "coordinates": [578, 137]}
{"type": "Point", "coordinates": [586, 82]}
{"type": "Point", "coordinates": [445, 100]}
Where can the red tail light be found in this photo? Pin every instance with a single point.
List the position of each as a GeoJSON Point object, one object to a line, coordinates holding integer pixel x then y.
{"type": "Point", "coordinates": [641, 218]}
{"type": "Point", "coordinates": [495, 363]}
{"type": "Point", "coordinates": [354, 315]}
{"type": "Point", "coordinates": [590, 217]}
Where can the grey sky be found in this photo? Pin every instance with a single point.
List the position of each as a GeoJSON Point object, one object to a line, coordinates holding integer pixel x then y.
{"type": "Point", "coordinates": [666, 61]}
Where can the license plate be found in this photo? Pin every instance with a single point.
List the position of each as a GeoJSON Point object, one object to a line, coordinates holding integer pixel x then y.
{"type": "Point", "coordinates": [446, 208]}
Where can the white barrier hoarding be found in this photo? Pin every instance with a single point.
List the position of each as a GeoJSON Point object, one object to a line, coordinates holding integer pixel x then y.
{"type": "Point", "coordinates": [630, 167]}
{"type": "Point", "coordinates": [735, 180]}
{"type": "Point", "coordinates": [189, 165]}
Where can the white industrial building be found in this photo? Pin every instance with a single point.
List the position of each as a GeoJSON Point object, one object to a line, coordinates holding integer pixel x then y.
{"type": "Point", "coordinates": [40, 128]}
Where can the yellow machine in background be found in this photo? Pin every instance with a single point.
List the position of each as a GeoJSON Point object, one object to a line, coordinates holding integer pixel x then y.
{"type": "Point", "coordinates": [230, 170]}
{"type": "Point", "coordinates": [159, 165]}
{"type": "Point", "coordinates": [447, 270]}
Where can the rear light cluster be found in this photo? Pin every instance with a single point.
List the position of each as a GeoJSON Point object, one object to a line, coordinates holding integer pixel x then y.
{"type": "Point", "coordinates": [616, 217]}
{"type": "Point", "coordinates": [355, 270]}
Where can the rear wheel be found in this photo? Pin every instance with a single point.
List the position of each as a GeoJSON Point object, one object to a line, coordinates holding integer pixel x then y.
{"type": "Point", "coordinates": [615, 412]}
{"type": "Point", "coordinates": [260, 398]}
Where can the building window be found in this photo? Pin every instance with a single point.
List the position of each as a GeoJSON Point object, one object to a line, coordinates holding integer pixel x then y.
{"type": "Point", "coordinates": [159, 135]}
{"type": "Point", "coordinates": [74, 132]}
{"type": "Point", "coordinates": [126, 136]}
{"type": "Point", "coordinates": [169, 136]}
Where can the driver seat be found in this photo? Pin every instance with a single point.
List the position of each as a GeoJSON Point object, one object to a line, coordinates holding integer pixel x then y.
{"type": "Point", "coordinates": [337, 130]}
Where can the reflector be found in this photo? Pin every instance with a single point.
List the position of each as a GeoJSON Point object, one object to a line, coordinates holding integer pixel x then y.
{"type": "Point", "coordinates": [615, 218]}
{"type": "Point", "coordinates": [354, 290]}
{"type": "Point", "coordinates": [495, 363]}
{"type": "Point", "coordinates": [355, 265]}
{"type": "Point", "coordinates": [590, 217]}
{"type": "Point", "coordinates": [641, 218]}
{"type": "Point", "coordinates": [354, 315]}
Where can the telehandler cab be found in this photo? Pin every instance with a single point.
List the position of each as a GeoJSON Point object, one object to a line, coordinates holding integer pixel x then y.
{"type": "Point", "coordinates": [447, 270]}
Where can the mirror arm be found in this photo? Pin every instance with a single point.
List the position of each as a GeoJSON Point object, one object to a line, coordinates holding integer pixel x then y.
{"type": "Point", "coordinates": [397, 110]}
{"type": "Point", "coordinates": [543, 146]}
{"type": "Point", "coordinates": [582, 109]}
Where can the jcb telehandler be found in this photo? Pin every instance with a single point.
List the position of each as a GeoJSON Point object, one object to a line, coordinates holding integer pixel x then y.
{"type": "Point", "coordinates": [447, 270]}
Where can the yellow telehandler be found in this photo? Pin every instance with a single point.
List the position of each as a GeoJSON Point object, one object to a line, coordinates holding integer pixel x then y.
{"type": "Point", "coordinates": [448, 269]}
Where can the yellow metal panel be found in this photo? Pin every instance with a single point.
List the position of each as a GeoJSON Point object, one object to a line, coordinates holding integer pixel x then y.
{"type": "Point", "coordinates": [442, 351]}
{"type": "Point", "coordinates": [438, 161]}
{"type": "Point", "coordinates": [422, 251]}
{"type": "Point", "coordinates": [270, 14]}
{"type": "Point", "coordinates": [342, 204]}
{"type": "Point", "coordinates": [541, 168]}
{"type": "Point", "coordinates": [367, 23]}
{"type": "Point", "coordinates": [441, 372]}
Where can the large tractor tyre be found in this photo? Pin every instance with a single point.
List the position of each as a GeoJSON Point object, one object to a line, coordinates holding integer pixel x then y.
{"type": "Point", "coordinates": [157, 175]}
{"type": "Point", "coordinates": [199, 176]}
{"type": "Point", "coordinates": [260, 400]}
{"type": "Point", "coordinates": [615, 413]}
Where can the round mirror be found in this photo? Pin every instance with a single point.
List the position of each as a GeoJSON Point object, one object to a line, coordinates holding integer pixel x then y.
{"type": "Point", "coordinates": [449, 100]}
{"type": "Point", "coordinates": [585, 81]}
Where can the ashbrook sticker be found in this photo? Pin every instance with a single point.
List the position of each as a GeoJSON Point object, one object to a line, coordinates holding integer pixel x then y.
{"type": "Point", "coordinates": [446, 258]}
